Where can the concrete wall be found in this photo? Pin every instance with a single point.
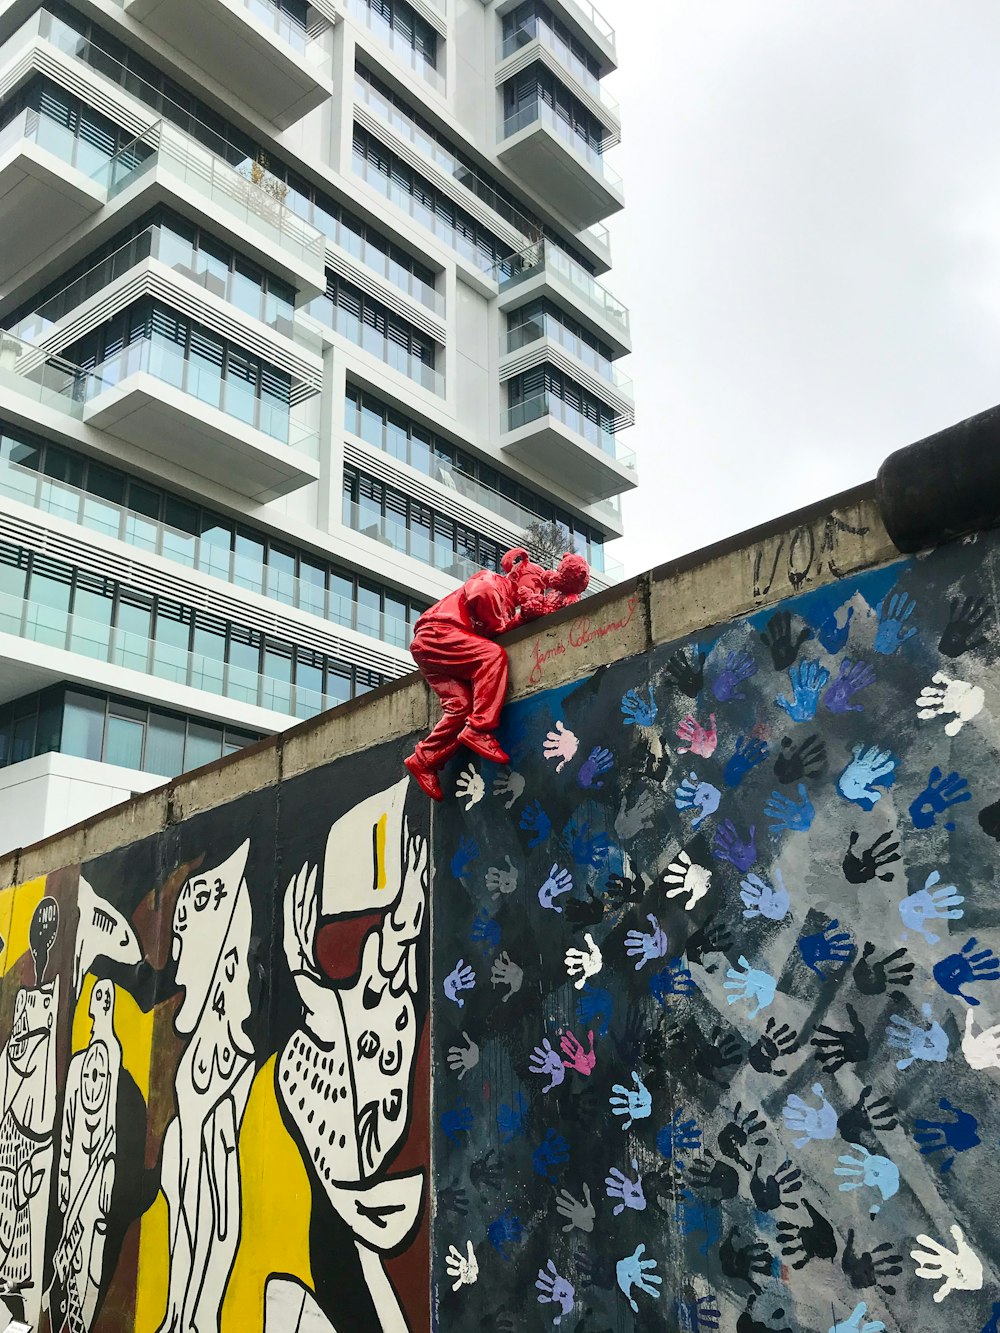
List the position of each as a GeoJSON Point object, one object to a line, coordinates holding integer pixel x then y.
{"type": "Point", "coordinates": [214, 999]}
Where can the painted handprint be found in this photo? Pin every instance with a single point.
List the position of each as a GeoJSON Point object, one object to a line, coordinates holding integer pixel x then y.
{"type": "Point", "coordinates": [469, 787]}
{"type": "Point", "coordinates": [501, 882]}
{"type": "Point", "coordinates": [693, 794]}
{"type": "Point", "coordinates": [550, 1155]}
{"type": "Point", "coordinates": [739, 667]}
{"type": "Point", "coordinates": [869, 1170]}
{"type": "Point", "coordinates": [584, 963]}
{"type": "Point", "coordinates": [940, 794]}
{"type": "Point", "coordinates": [586, 848]}
{"type": "Point", "coordinates": [980, 1049]}
{"type": "Point", "coordinates": [966, 968]}
{"type": "Point", "coordinates": [632, 1103]}
{"type": "Point", "coordinates": [595, 1008]}
{"type": "Point", "coordinates": [871, 1268]}
{"type": "Point", "coordinates": [580, 1214]}
{"type": "Point", "coordinates": [836, 1047]}
{"type": "Point", "coordinates": [807, 682]}
{"type": "Point", "coordinates": [636, 1273]}
{"type": "Point", "coordinates": [741, 1130]}
{"type": "Point", "coordinates": [560, 744]}
{"type": "Point", "coordinates": [777, 1189]}
{"type": "Point", "coordinates": [948, 1136]}
{"type": "Point", "coordinates": [869, 769]}
{"type": "Point", "coordinates": [729, 846]}
{"type": "Point", "coordinates": [687, 674]}
{"type": "Point", "coordinates": [464, 1268]}
{"type": "Point", "coordinates": [463, 1058]}
{"type": "Point", "coordinates": [685, 877]}
{"type": "Point", "coordinates": [853, 677]}
{"type": "Point", "coordinates": [625, 1189]}
{"type": "Point", "coordinates": [456, 1120]}
{"type": "Point", "coordinates": [893, 630]}
{"type": "Point", "coordinates": [459, 979]}
{"type": "Point", "coordinates": [829, 945]}
{"type": "Point", "coordinates": [504, 1231]}
{"type": "Point", "coordinates": [638, 710]}
{"type": "Point", "coordinates": [751, 984]}
{"type": "Point", "coordinates": [710, 1176]}
{"type": "Point", "coordinates": [778, 639]}
{"type": "Point", "coordinates": [510, 1118]}
{"type": "Point", "coordinates": [763, 899]}
{"type": "Point", "coordinates": [553, 1289]}
{"type": "Point", "coordinates": [504, 972]}
{"type": "Point", "coordinates": [679, 1138]}
{"type": "Point", "coordinates": [748, 753]}
{"type": "Point", "coordinates": [485, 930]}
{"type": "Point", "coordinates": [674, 979]}
{"type": "Point", "coordinates": [809, 1122]}
{"type": "Point", "coordinates": [695, 1313]}
{"type": "Point", "coordinates": [598, 762]}
{"type": "Point", "coordinates": [955, 698]}
{"type": "Point", "coordinates": [790, 816]}
{"type": "Point", "coordinates": [961, 1268]}
{"type": "Point", "coordinates": [803, 1241]}
{"type": "Point", "coordinates": [965, 626]}
{"type": "Point", "coordinates": [931, 904]}
{"type": "Point", "coordinates": [776, 1042]}
{"type": "Point", "coordinates": [646, 946]}
{"type": "Point", "coordinates": [535, 821]}
{"type": "Point", "coordinates": [919, 1043]}
{"type": "Point", "coordinates": [875, 977]}
{"type": "Point", "coordinates": [548, 1063]}
{"type": "Point", "coordinates": [803, 759]}
{"type": "Point", "coordinates": [857, 1323]}
{"type": "Point", "coordinates": [577, 1057]}
{"type": "Point", "coordinates": [872, 861]}
{"type": "Point", "coordinates": [466, 852]}
{"type": "Point", "coordinates": [835, 628]}
{"type": "Point", "coordinates": [697, 739]}
{"type": "Point", "coordinates": [508, 783]}
{"type": "Point", "coordinates": [560, 881]}
{"type": "Point", "coordinates": [632, 820]}
{"type": "Point", "coordinates": [747, 1263]}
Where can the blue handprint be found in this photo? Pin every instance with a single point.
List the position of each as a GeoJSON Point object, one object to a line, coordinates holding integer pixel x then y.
{"type": "Point", "coordinates": [810, 1122]}
{"type": "Point", "coordinates": [834, 633]}
{"type": "Point", "coordinates": [595, 1008]}
{"type": "Point", "coordinates": [870, 1169]}
{"type": "Point", "coordinates": [807, 680]}
{"type": "Point", "coordinates": [635, 1271]}
{"type": "Point", "coordinates": [869, 768]}
{"type": "Point", "coordinates": [750, 984]}
{"type": "Point", "coordinates": [679, 1137]}
{"type": "Point", "coordinates": [726, 685]}
{"type": "Point", "coordinates": [854, 676]}
{"type": "Point", "coordinates": [992, 1324]}
{"type": "Point", "coordinates": [746, 756]}
{"type": "Point", "coordinates": [504, 1231]}
{"type": "Point", "coordinates": [587, 849]}
{"type": "Point", "coordinates": [559, 881]}
{"type": "Point", "coordinates": [693, 794]}
{"type": "Point", "coordinates": [485, 930]}
{"type": "Point", "coordinates": [551, 1153]}
{"type": "Point", "coordinates": [763, 899]}
{"type": "Point", "coordinates": [633, 1103]}
{"type": "Point", "coordinates": [460, 978]}
{"type": "Point", "coordinates": [457, 1120]}
{"type": "Point", "coordinates": [944, 904]}
{"type": "Point", "coordinates": [940, 793]}
{"type": "Point", "coordinates": [511, 1117]}
{"type": "Point", "coordinates": [597, 762]}
{"type": "Point", "coordinates": [929, 1044]}
{"type": "Point", "coordinates": [466, 852]}
{"type": "Point", "coordinates": [674, 979]}
{"type": "Point", "coordinates": [638, 710]}
{"type": "Point", "coordinates": [893, 630]}
{"type": "Point", "coordinates": [952, 1136]}
{"type": "Point", "coordinates": [695, 1313]}
{"type": "Point", "coordinates": [695, 1214]}
{"type": "Point", "coordinates": [788, 815]}
{"type": "Point", "coordinates": [829, 945]}
{"type": "Point", "coordinates": [965, 969]}
{"type": "Point", "coordinates": [729, 846]}
{"type": "Point", "coordinates": [858, 1323]}
{"type": "Point", "coordinates": [535, 821]}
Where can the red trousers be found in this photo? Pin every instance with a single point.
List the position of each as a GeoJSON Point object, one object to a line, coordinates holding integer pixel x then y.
{"type": "Point", "coordinates": [469, 675]}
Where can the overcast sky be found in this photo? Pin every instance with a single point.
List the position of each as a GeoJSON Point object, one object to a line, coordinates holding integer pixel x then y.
{"type": "Point", "coordinates": [810, 248]}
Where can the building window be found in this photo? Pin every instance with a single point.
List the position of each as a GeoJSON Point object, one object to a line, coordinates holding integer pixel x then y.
{"type": "Point", "coordinates": [537, 84]}
{"type": "Point", "coordinates": [374, 327]}
{"type": "Point", "coordinates": [66, 126]}
{"type": "Point", "coordinates": [544, 390]}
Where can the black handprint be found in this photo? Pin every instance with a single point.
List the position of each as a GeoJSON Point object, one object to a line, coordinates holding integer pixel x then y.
{"type": "Point", "coordinates": [861, 869]}
{"type": "Point", "coordinates": [452, 1199]}
{"type": "Point", "coordinates": [622, 890]}
{"type": "Point", "coordinates": [688, 676]}
{"type": "Point", "coordinates": [777, 638]}
{"type": "Point", "coordinates": [805, 760]}
{"type": "Point", "coordinates": [744, 1127]}
{"type": "Point", "coordinates": [814, 1240]}
{"type": "Point", "coordinates": [771, 1192]}
{"type": "Point", "coordinates": [710, 1176]}
{"type": "Point", "coordinates": [964, 624]}
{"type": "Point", "coordinates": [583, 912]}
{"type": "Point", "coordinates": [713, 937]}
{"type": "Point", "coordinates": [775, 1042]}
{"type": "Point", "coordinates": [868, 1115]}
{"type": "Point", "coordinates": [713, 1058]}
{"type": "Point", "coordinates": [485, 1172]}
{"type": "Point", "coordinates": [838, 1047]}
{"type": "Point", "coordinates": [745, 1260]}
{"type": "Point", "coordinates": [656, 765]}
{"type": "Point", "coordinates": [748, 1324]}
{"type": "Point", "coordinates": [870, 1268]}
{"type": "Point", "coordinates": [876, 978]}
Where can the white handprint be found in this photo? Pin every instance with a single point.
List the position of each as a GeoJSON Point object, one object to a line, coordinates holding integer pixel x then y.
{"type": "Point", "coordinates": [470, 785]}
{"type": "Point", "coordinates": [560, 744]}
{"type": "Point", "coordinates": [957, 697]}
{"type": "Point", "coordinates": [962, 1269]}
{"type": "Point", "coordinates": [981, 1049]}
{"type": "Point", "coordinates": [686, 876]}
{"type": "Point", "coordinates": [584, 964]}
{"type": "Point", "coordinates": [464, 1268]}
{"type": "Point", "coordinates": [508, 783]}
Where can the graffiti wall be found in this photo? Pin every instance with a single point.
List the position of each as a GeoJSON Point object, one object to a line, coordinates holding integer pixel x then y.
{"type": "Point", "coordinates": [717, 980]}
{"type": "Point", "coordinates": [215, 1071]}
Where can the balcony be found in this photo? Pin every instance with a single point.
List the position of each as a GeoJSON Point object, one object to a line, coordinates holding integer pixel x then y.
{"type": "Point", "coordinates": [398, 43]}
{"type": "Point", "coordinates": [377, 342]}
{"type": "Point", "coordinates": [277, 68]}
{"type": "Point", "coordinates": [561, 443]}
{"type": "Point", "coordinates": [553, 160]}
{"type": "Point", "coordinates": [414, 542]}
{"type": "Point", "coordinates": [153, 397]}
{"type": "Point", "coordinates": [545, 338]}
{"type": "Point", "coordinates": [245, 204]}
{"type": "Point", "coordinates": [541, 269]}
{"type": "Point", "coordinates": [535, 40]}
{"type": "Point", "coordinates": [45, 188]}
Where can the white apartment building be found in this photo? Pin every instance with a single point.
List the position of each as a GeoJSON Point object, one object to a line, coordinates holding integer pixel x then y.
{"type": "Point", "coordinates": [303, 318]}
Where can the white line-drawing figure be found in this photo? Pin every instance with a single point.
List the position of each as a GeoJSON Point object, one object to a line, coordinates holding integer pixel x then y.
{"type": "Point", "coordinates": [344, 1078]}
{"type": "Point", "coordinates": [27, 1120]}
{"type": "Point", "coordinates": [87, 1165]}
{"type": "Point", "coordinates": [291, 1307]}
{"type": "Point", "coordinates": [102, 932]}
{"type": "Point", "coordinates": [200, 1169]}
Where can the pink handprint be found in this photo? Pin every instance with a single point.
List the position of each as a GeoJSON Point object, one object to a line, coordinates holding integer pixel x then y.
{"type": "Point", "coordinates": [583, 1061]}
{"type": "Point", "coordinates": [697, 739]}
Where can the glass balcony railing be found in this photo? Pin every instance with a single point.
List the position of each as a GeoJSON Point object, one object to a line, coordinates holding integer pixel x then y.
{"type": "Point", "coordinates": [599, 234]}
{"type": "Point", "coordinates": [177, 253]}
{"type": "Point", "coordinates": [103, 642]}
{"type": "Point", "coordinates": [50, 381]}
{"type": "Point", "coordinates": [397, 42]}
{"type": "Point", "coordinates": [295, 425]}
{"type": "Point", "coordinates": [551, 405]}
{"type": "Point", "coordinates": [416, 542]}
{"type": "Point", "coordinates": [534, 30]}
{"type": "Point", "coordinates": [215, 184]}
{"type": "Point", "coordinates": [303, 43]}
{"type": "Point", "coordinates": [373, 340]}
{"type": "Point", "coordinates": [595, 19]}
{"type": "Point", "coordinates": [185, 548]}
{"type": "Point", "coordinates": [541, 257]}
{"type": "Point", "coordinates": [540, 113]}
{"type": "Point", "coordinates": [32, 127]}
{"type": "Point", "coordinates": [545, 326]}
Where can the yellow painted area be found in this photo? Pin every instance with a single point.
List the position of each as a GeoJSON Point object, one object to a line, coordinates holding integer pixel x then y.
{"type": "Point", "coordinates": [274, 1237]}
{"type": "Point", "coordinates": [134, 1029]}
{"type": "Point", "coordinates": [380, 827]}
{"type": "Point", "coordinates": [17, 907]}
{"type": "Point", "coordinates": [151, 1288]}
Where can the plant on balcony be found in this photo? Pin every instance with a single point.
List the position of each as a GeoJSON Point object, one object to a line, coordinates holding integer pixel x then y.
{"type": "Point", "coordinates": [265, 193]}
{"type": "Point", "coordinates": [547, 540]}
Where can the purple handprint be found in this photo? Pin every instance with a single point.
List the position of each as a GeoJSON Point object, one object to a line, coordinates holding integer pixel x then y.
{"type": "Point", "coordinates": [546, 1061]}
{"type": "Point", "coordinates": [854, 676]}
{"type": "Point", "coordinates": [726, 685]}
{"type": "Point", "coordinates": [597, 762]}
{"type": "Point", "coordinates": [729, 846]}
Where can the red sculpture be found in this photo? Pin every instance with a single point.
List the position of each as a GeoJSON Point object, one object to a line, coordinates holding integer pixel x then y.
{"type": "Point", "coordinates": [453, 645]}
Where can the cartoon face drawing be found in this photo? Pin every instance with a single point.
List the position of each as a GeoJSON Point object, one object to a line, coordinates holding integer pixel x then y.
{"type": "Point", "coordinates": [95, 1078]}
{"type": "Point", "coordinates": [204, 946]}
{"type": "Point", "coordinates": [34, 1012]}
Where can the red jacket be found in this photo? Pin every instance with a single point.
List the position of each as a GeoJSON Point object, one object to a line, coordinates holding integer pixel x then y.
{"type": "Point", "coordinates": [486, 605]}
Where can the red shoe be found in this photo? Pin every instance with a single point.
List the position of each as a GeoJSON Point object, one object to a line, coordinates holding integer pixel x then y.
{"type": "Point", "coordinates": [426, 778]}
{"type": "Point", "coordinates": [483, 743]}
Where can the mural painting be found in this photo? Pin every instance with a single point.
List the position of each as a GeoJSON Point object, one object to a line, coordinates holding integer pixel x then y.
{"type": "Point", "coordinates": [717, 979]}
{"type": "Point", "coordinates": [215, 1081]}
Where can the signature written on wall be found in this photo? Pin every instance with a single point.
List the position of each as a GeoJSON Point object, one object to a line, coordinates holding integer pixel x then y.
{"type": "Point", "coordinates": [582, 632]}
